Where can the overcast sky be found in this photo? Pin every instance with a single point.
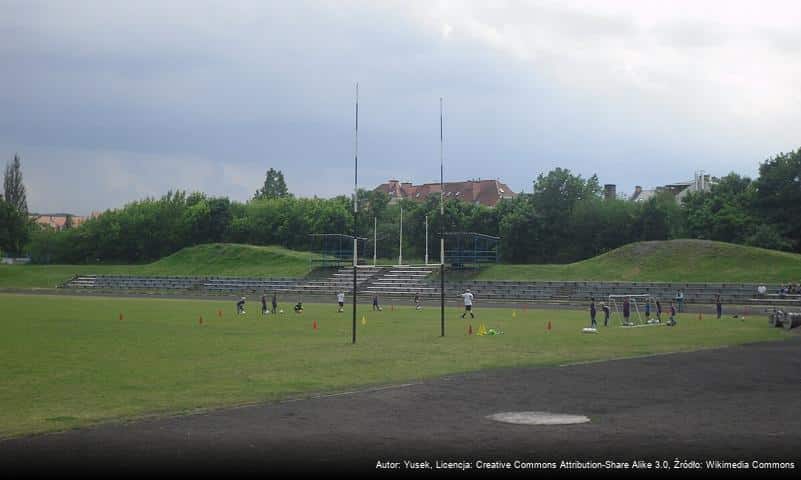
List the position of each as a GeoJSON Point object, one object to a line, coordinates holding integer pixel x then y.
{"type": "Point", "coordinates": [108, 102]}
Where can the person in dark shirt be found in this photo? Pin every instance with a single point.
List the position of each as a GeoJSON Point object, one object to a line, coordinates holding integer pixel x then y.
{"type": "Point", "coordinates": [592, 313]}
{"type": "Point", "coordinates": [672, 320]}
{"type": "Point", "coordinates": [606, 310]}
{"type": "Point", "coordinates": [264, 304]}
{"type": "Point", "coordinates": [658, 311]}
{"type": "Point", "coordinates": [275, 303]}
{"type": "Point", "coordinates": [626, 312]}
{"type": "Point", "coordinates": [240, 305]}
{"type": "Point", "coordinates": [718, 307]}
{"type": "Point", "coordinates": [299, 307]}
{"type": "Point", "coordinates": [376, 305]}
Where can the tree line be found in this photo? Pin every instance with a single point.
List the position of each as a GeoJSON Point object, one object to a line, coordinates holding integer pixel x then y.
{"type": "Point", "coordinates": [565, 219]}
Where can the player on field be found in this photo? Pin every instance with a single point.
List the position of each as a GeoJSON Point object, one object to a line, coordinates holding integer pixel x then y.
{"type": "Point", "coordinates": [468, 303]}
{"type": "Point", "coordinates": [240, 305]}
{"type": "Point", "coordinates": [607, 311]}
{"type": "Point", "coordinates": [376, 305]}
{"type": "Point", "coordinates": [592, 313]}
{"type": "Point", "coordinates": [264, 304]}
{"type": "Point", "coordinates": [275, 303]}
{"type": "Point", "coordinates": [626, 311]}
{"type": "Point", "coordinates": [418, 304]}
{"type": "Point", "coordinates": [341, 301]}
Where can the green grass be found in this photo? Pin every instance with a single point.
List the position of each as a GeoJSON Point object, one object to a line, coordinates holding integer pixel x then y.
{"type": "Point", "coordinates": [665, 261]}
{"type": "Point", "coordinates": [211, 259]}
{"type": "Point", "coordinates": [69, 362]}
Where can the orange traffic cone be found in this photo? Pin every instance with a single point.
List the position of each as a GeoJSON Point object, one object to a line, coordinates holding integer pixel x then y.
{"type": "Point", "coordinates": [121, 316]}
{"type": "Point", "coordinates": [549, 325]}
{"type": "Point", "coordinates": [200, 320]}
{"type": "Point", "coordinates": [314, 325]}
{"type": "Point", "coordinates": [700, 316]}
{"type": "Point", "coordinates": [470, 329]}
{"type": "Point", "coordinates": [219, 313]}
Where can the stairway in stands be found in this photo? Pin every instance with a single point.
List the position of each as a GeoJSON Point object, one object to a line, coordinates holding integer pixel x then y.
{"type": "Point", "coordinates": [402, 281]}
{"type": "Point", "coordinates": [81, 281]}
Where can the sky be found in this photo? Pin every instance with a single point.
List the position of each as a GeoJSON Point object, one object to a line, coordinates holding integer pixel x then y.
{"type": "Point", "coordinates": [108, 102]}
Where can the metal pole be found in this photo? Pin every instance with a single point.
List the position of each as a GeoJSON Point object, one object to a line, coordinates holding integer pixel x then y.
{"type": "Point", "coordinates": [400, 249]}
{"type": "Point", "coordinates": [375, 240]}
{"type": "Point", "coordinates": [441, 225]}
{"type": "Point", "coordinates": [426, 239]}
{"type": "Point", "coordinates": [355, 208]}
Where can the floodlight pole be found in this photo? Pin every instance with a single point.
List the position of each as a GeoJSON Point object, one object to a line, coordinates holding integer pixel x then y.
{"type": "Point", "coordinates": [375, 240]}
{"type": "Point", "coordinates": [441, 225]}
{"type": "Point", "coordinates": [426, 239]}
{"type": "Point", "coordinates": [400, 243]}
{"type": "Point", "coordinates": [355, 207]}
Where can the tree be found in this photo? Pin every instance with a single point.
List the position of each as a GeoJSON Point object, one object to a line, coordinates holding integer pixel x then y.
{"type": "Point", "coordinates": [274, 186]}
{"type": "Point", "coordinates": [68, 222]}
{"type": "Point", "coordinates": [778, 195]}
{"type": "Point", "coordinates": [14, 188]}
{"type": "Point", "coordinates": [14, 228]}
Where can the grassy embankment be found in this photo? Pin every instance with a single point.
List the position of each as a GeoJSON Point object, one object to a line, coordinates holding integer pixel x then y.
{"type": "Point", "coordinates": [211, 259]}
{"type": "Point", "coordinates": [665, 261]}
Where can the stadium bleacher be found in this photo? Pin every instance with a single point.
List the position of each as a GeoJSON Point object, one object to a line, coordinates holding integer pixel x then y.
{"type": "Point", "coordinates": [406, 281]}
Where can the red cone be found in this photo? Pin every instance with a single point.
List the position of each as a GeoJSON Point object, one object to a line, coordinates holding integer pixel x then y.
{"type": "Point", "coordinates": [470, 329]}
{"type": "Point", "coordinates": [121, 317]}
{"type": "Point", "coordinates": [549, 325]}
{"type": "Point", "coordinates": [314, 325]}
{"type": "Point", "coordinates": [200, 320]}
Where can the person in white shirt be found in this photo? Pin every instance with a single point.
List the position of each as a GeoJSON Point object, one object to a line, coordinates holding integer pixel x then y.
{"type": "Point", "coordinates": [468, 303]}
{"type": "Point", "coordinates": [341, 301]}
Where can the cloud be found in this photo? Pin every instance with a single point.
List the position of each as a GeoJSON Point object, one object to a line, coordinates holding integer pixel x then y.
{"type": "Point", "coordinates": [213, 94]}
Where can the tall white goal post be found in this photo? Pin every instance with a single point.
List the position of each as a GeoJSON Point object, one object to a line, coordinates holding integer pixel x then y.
{"type": "Point", "coordinates": [639, 305]}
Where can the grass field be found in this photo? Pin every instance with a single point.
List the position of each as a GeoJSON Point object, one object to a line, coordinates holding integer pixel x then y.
{"type": "Point", "coordinates": [665, 261]}
{"type": "Point", "coordinates": [212, 259]}
{"type": "Point", "coordinates": [68, 362]}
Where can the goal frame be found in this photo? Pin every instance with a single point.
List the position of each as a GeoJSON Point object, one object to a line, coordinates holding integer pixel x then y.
{"type": "Point", "coordinates": [635, 301]}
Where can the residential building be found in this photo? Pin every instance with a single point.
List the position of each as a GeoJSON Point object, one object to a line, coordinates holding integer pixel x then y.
{"type": "Point", "coordinates": [483, 192]}
{"type": "Point", "coordinates": [58, 221]}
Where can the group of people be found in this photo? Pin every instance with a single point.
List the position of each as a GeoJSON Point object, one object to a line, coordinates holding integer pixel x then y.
{"type": "Point", "coordinates": [790, 289]}
{"type": "Point", "coordinates": [627, 313]}
{"type": "Point", "coordinates": [240, 305]}
{"type": "Point", "coordinates": [418, 303]}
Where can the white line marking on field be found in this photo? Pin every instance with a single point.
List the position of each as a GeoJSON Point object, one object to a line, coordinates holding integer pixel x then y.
{"type": "Point", "coordinates": [351, 392]}
{"type": "Point", "coordinates": [649, 355]}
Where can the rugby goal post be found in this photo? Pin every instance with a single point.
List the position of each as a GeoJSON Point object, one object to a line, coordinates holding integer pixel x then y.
{"type": "Point", "coordinates": [638, 306]}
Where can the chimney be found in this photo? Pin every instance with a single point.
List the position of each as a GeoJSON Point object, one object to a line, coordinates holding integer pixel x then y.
{"type": "Point", "coordinates": [637, 192]}
{"type": "Point", "coordinates": [610, 191]}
